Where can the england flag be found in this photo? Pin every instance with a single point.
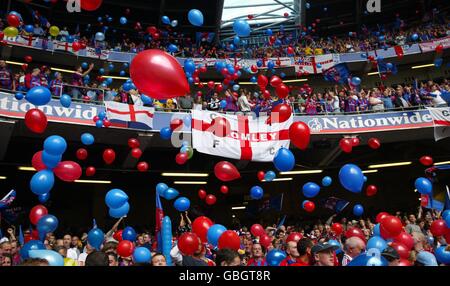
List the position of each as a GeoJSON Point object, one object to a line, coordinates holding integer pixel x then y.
{"type": "Point", "coordinates": [441, 122]}
{"type": "Point", "coordinates": [241, 137]}
{"type": "Point", "coordinates": [130, 113]}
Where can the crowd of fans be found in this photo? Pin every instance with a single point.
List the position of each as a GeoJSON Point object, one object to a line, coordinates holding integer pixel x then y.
{"type": "Point", "coordinates": [310, 246]}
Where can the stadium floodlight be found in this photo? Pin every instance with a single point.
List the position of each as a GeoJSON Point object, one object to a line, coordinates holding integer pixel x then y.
{"type": "Point", "coordinates": [398, 164]}
{"type": "Point", "coordinates": [92, 182]}
{"type": "Point", "coordinates": [184, 174]}
{"type": "Point", "coordinates": [302, 172]}
{"type": "Point", "coordinates": [190, 183]}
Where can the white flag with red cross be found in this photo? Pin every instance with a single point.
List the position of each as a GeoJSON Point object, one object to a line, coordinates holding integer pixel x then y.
{"type": "Point", "coordinates": [129, 113]}
{"type": "Point", "coordinates": [441, 122]}
{"type": "Point", "coordinates": [241, 137]}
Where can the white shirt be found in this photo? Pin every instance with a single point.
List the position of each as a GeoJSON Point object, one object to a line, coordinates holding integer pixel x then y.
{"type": "Point", "coordinates": [336, 102]}
{"type": "Point", "coordinates": [346, 259]}
{"type": "Point", "coordinates": [243, 103]}
{"type": "Point", "coordinates": [437, 99]}
{"type": "Point", "coordinates": [82, 258]}
{"type": "Point", "coordinates": [73, 253]}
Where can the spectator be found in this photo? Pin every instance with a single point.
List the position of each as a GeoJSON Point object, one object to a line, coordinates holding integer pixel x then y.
{"type": "Point", "coordinates": [34, 262]}
{"type": "Point", "coordinates": [113, 259]}
{"type": "Point", "coordinates": [214, 102]}
{"type": "Point", "coordinates": [33, 79]}
{"type": "Point", "coordinates": [352, 248]}
{"type": "Point", "coordinates": [158, 259]}
{"type": "Point", "coordinates": [257, 258]}
{"type": "Point", "coordinates": [292, 252]}
{"type": "Point", "coordinates": [77, 80]}
{"type": "Point", "coordinates": [97, 258]}
{"type": "Point", "coordinates": [304, 247]}
{"type": "Point", "coordinates": [324, 254]}
{"type": "Point", "coordinates": [56, 85]}
{"type": "Point", "coordinates": [391, 256]}
{"type": "Point", "coordinates": [186, 102]}
{"type": "Point", "coordinates": [244, 103]}
{"type": "Point", "coordinates": [227, 257]}
{"type": "Point", "coordinates": [6, 77]}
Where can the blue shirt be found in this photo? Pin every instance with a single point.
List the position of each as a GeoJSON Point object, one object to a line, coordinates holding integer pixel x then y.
{"type": "Point", "coordinates": [387, 101]}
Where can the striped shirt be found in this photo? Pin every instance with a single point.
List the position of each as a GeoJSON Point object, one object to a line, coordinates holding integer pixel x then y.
{"type": "Point", "coordinates": [346, 260]}
{"type": "Point", "coordinates": [5, 78]}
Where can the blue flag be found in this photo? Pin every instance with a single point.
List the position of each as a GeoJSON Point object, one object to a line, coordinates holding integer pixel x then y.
{"type": "Point", "coordinates": [338, 74]}
{"type": "Point", "coordinates": [335, 204]}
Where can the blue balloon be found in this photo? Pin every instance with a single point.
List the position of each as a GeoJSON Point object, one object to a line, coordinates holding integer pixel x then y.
{"type": "Point", "coordinates": [442, 255]}
{"type": "Point", "coordinates": [389, 66]}
{"type": "Point", "coordinates": [182, 204]}
{"type": "Point", "coordinates": [129, 233]}
{"type": "Point", "coordinates": [170, 194]}
{"type": "Point", "coordinates": [50, 161]}
{"type": "Point", "coordinates": [120, 212]}
{"type": "Point", "coordinates": [55, 145]}
{"type": "Point", "coordinates": [236, 87]}
{"type": "Point", "coordinates": [269, 176]}
{"type": "Point", "coordinates": [269, 32]}
{"type": "Point", "coordinates": [87, 139]}
{"type": "Point", "coordinates": [326, 181]}
{"type": "Point", "coordinates": [53, 257]}
{"type": "Point", "coordinates": [356, 80]}
{"type": "Point", "coordinates": [123, 20]}
{"type": "Point", "coordinates": [172, 48]}
{"type": "Point", "coordinates": [253, 79]}
{"type": "Point", "coordinates": [110, 67]}
{"type": "Point", "coordinates": [214, 233]}
{"type": "Point", "coordinates": [19, 96]}
{"type": "Point", "coordinates": [99, 123]}
{"type": "Point", "coordinates": [102, 115]}
{"type": "Point", "coordinates": [161, 188]}
{"type": "Point", "coordinates": [65, 100]}
{"type": "Point", "coordinates": [146, 100]}
{"type": "Point", "coordinates": [125, 65]}
{"type": "Point", "coordinates": [99, 36]}
{"type": "Point", "coordinates": [116, 198]}
{"type": "Point", "coordinates": [259, 63]}
{"type": "Point", "coordinates": [31, 245]}
{"type": "Point", "coordinates": [438, 62]}
{"type": "Point", "coordinates": [270, 65]}
{"type": "Point", "coordinates": [282, 75]}
{"type": "Point", "coordinates": [307, 5]}
{"type": "Point", "coordinates": [351, 178]}
{"type": "Point", "coordinates": [372, 257]}
{"type": "Point", "coordinates": [377, 242]}
{"type": "Point", "coordinates": [365, 179]}
{"type": "Point", "coordinates": [166, 133]}
{"type": "Point", "coordinates": [110, 19]}
{"type": "Point", "coordinates": [256, 193]}
{"type": "Point", "coordinates": [358, 210]}
{"type": "Point", "coordinates": [127, 86]}
{"type": "Point", "coordinates": [236, 40]}
{"type": "Point", "coordinates": [195, 17]}
{"type": "Point", "coordinates": [46, 224]}
{"type": "Point", "coordinates": [376, 230]}
{"type": "Point", "coordinates": [174, 23]}
{"type": "Point", "coordinates": [122, 73]}
{"type": "Point", "coordinates": [423, 186]}
{"type": "Point", "coordinates": [99, 19]}
{"type": "Point", "coordinates": [29, 28]}
{"type": "Point", "coordinates": [241, 28]}
{"type": "Point", "coordinates": [39, 95]}
{"type": "Point", "coordinates": [96, 238]}
{"type": "Point", "coordinates": [101, 71]}
{"type": "Point", "coordinates": [223, 103]}
{"type": "Point", "coordinates": [42, 182]}
{"type": "Point", "coordinates": [414, 37]}
{"type": "Point", "coordinates": [84, 65]}
{"type": "Point", "coordinates": [44, 198]}
{"type": "Point", "coordinates": [310, 190]}
{"type": "Point", "coordinates": [284, 160]}
{"type": "Point", "coordinates": [189, 66]}
{"type": "Point", "coordinates": [319, 66]}
{"type": "Point", "coordinates": [142, 255]}
{"type": "Point", "coordinates": [274, 257]}
{"type": "Point", "coordinates": [231, 70]}
{"type": "Point", "coordinates": [165, 20]}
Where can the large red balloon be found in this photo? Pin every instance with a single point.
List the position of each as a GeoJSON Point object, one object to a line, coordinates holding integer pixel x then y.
{"type": "Point", "coordinates": [282, 91]}
{"type": "Point", "coordinates": [91, 5]}
{"type": "Point", "coordinates": [257, 230]}
{"type": "Point", "coordinates": [275, 81]}
{"type": "Point", "coordinates": [136, 153]}
{"type": "Point", "coordinates": [158, 75]}
{"type": "Point", "coordinates": [381, 216]}
{"type": "Point", "coordinates": [229, 239]}
{"type": "Point", "coordinates": [13, 20]}
{"type": "Point", "coordinates": [188, 243]}
{"type": "Point", "coordinates": [299, 134]}
{"type": "Point", "coordinates": [224, 189]}
{"type": "Point", "coordinates": [371, 190]}
{"type": "Point", "coordinates": [354, 231]}
{"type": "Point", "coordinates": [181, 158]}
{"type": "Point", "coordinates": [426, 160]}
{"type": "Point", "coordinates": [391, 225]}
{"type": "Point", "coordinates": [90, 171]}
{"type": "Point", "coordinates": [125, 248]}
{"type": "Point", "coordinates": [109, 156]}
{"type": "Point", "coordinates": [406, 239]}
{"type": "Point", "coordinates": [346, 145]}
{"type": "Point", "coordinates": [262, 81]}
{"type": "Point", "coordinates": [260, 175]}
{"type": "Point", "coordinates": [118, 235]}
{"type": "Point", "coordinates": [220, 127]}
{"type": "Point", "coordinates": [68, 171]}
{"type": "Point", "coordinates": [374, 143]}
{"type": "Point", "coordinates": [200, 227]}
{"type": "Point", "coordinates": [265, 240]}
{"type": "Point", "coordinates": [142, 166]}
{"type": "Point", "coordinates": [337, 228]}
{"type": "Point", "coordinates": [280, 113]}
{"type": "Point", "coordinates": [438, 227]}
{"type": "Point", "coordinates": [210, 199]}
{"type": "Point", "coordinates": [202, 194]}
{"type": "Point", "coordinates": [294, 236]}
{"type": "Point", "coordinates": [133, 143]}
{"type": "Point", "coordinates": [37, 163]}
{"type": "Point", "coordinates": [82, 154]}
{"type": "Point", "coordinates": [36, 120]}
{"type": "Point", "coordinates": [401, 249]}
{"type": "Point", "coordinates": [36, 213]}
{"type": "Point", "coordinates": [225, 171]}
{"type": "Point", "coordinates": [175, 124]}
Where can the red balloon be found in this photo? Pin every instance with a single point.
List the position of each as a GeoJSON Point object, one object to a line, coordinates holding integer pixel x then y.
{"type": "Point", "coordinates": [374, 143]}
{"type": "Point", "coordinates": [254, 68]}
{"type": "Point", "coordinates": [225, 171]}
{"type": "Point", "coordinates": [82, 45]}
{"type": "Point", "coordinates": [294, 236]}
{"type": "Point", "coordinates": [282, 91]}
{"type": "Point", "coordinates": [257, 230]}
{"type": "Point", "coordinates": [439, 48]}
{"type": "Point", "coordinates": [260, 175]}
{"type": "Point", "coordinates": [181, 158]}
{"type": "Point", "coordinates": [118, 235]}
{"type": "Point", "coordinates": [211, 84]}
{"type": "Point", "coordinates": [158, 74]}
{"type": "Point", "coordinates": [220, 127]}
{"type": "Point", "coordinates": [37, 163]}
{"type": "Point", "coordinates": [109, 156]}
{"type": "Point", "coordinates": [68, 171]}
{"type": "Point", "coordinates": [250, 17]}
{"type": "Point", "coordinates": [28, 59]}
{"type": "Point", "coordinates": [200, 227]}
{"type": "Point", "coordinates": [202, 194]}
{"type": "Point", "coordinates": [151, 30]}
{"type": "Point", "coordinates": [267, 94]}
{"type": "Point", "coordinates": [265, 240]}
{"type": "Point", "coordinates": [36, 213]}
{"type": "Point", "coordinates": [13, 20]}
{"type": "Point", "coordinates": [346, 145]}
{"type": "Point", "coordinates": [337, 228]}
{"type": "Point", "coordinates": [142, 166]}
{"type": "Point", "coordinates": [401, 249]}
{"type": "Point", "coordinates": [90, 171]}
{"type": "Point", "coordinates": [280, 113]}
{"type": "Point", "coordinates": [125, 248]}
{"type": "Point", "coordinates": [175, 124]}
{"type": "Point", "coordinates": [426, 160]}
{"type": "Point", "coordinates": [24, 67]}
{"type": "Point", "coordinates": [391, 226]}
{"type": "Point", "coordinates": [286, 14]}
{"type": "Point", "coordinates": [91, 5]}
{"type": "Point", "coordinates": [438, 227]}
{"type": "Point", "coordinates": [381, 216]}
{"type": "Point", "coordinates": [136, 153]}
{"type": "Point", "coordinates": [405, 239]}
{"type": "Point", "coordinates": [354, 231]}
{"type": "Point", "coordinates": [36, 120]}
{"type": "Point", "coordinates": [219, 87]}
{"type": "Point", "coordinates": [210, 200]}
{"type": "Point", "coordinates": [309, 206]}
{"type": "Point", "coordinates": [76, 46]}
{"type": "Point", "coordinates": [355, 141]}
{"type": "Point", "coordinates": [371, 190]}
{"type": "Point", "coordinates": [229, 239]}
{"type": "Point", "coordinates": [224, 190]}
{"type": "Point", "coordinates": [275, 81]}
{"type": "Point", "coordinates": [188, 243]}
{"type": "Point", "coordinates": [290, 51]}
{"type": "Point", "coordinates": [262, 81]}
{"type": "Point", "coordinates": [299, 134]}
{"type": "Point", "coordinates": [404, 262]}
{"type": "Point", "coordinates": [82, 154]}
{"type": "Point", "coordinates": [133, 143]}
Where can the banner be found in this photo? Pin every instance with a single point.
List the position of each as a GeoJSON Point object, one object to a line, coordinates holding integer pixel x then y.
{"type": "Point", "coordinates": [441, 122]}
{"type": "Point", "coordinates": [316, 64]}
{"type": "Point", "coordinates": [431, 46]}
{"type": "Point", "coordinates": [130, 113]}
{"type": "Point", "coordinates": [245, 138]}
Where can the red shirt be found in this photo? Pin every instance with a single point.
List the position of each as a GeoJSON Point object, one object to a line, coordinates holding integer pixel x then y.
{"type": "Point", "coordinates": [300, 263]}
{"type": "Point", "coordinates": [288, 262]}
{"type": "Point", "coordinates": [253, 262]}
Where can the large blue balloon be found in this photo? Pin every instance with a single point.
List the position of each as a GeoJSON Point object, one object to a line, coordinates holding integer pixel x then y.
{"type": "Point", "coordinates": [120, 212]}
{"type": "Point", "coordinates": [46, 224]}
{"type": "Point", "coordinates": [50, 161]}
{"type": "Point", "coordinates": [274, 257]}
{"type": "Point", "coordinates": [87, 139]}
{"type": "Point", "coordinates": [284, 160]}
{"type": "Point", "coordinates": [377, 242]}
{"type": "Point", "coordinates": [99, 36]}
{"type": "Point", "coordinates": [170, 194]}
{"type": "Point", "coordinates": [256, 192]}
{"type": "Point", "coordinates": [423, 186]}
{"type": "Point", "coordinates": [372, 257]}
{"type": "Point", "coordinates": [358, 210]}
{"type": "Point", "coordinates": [351, 178]}
{"type": "Point", "coordinates": [65, 100]}
{"type": "Point", "coordinates": [161, 188]}
{"type": "Point", "coordinates": [172, 48]}
{"type": "Point", "coordinates": [166, 133]}
{"type": "Point", "coordinates": [96, 238]}
{"type": "Point", "coordinates": [42, 182]}
{"type": "Point", "coordinates": [44, 197]}
{"type": "Point", "coordinates": [182, 204]}
{"type": "Point", "coordinates": [356, 80]}
{"type": "Point", "coordinates": [31, 245]}
{"type": "Point", "coordinates": [241, 28]}
{"type": "Point", "coordinates": [310, 190]}
{"type": "Point", "coordinates": [53, 257]}
{"type": "Point", "coordinates": [270, 65]}
{"type": "Point", "coordinates": [269, 176]}
{"type": "Point", "coordinates": [214, 233]}
{"type": "Point", "coordinates": [116, 198]}
{"type": "Point", "coordinates": [442, 255]}
{"type": "Point", "coordinates": [195, 17]}
{"type": "Point", "coordinates": [129, 233]}
{"type": "Point", "coordinates": [142, 255]}
{"type": "Point", "coordinates": [55, 145]}
{"type": "Point", "coordinates": [39, 95]}
{"type": "Point", "coordinates": [326, 181]}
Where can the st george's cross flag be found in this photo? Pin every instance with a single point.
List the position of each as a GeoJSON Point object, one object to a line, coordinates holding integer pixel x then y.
{"type": "Point", "coordinates": [441, 122]}
{"type": "Point", "coordinates": [246, 137]}
{"type": "Point", "coordinates": [130, 113]}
